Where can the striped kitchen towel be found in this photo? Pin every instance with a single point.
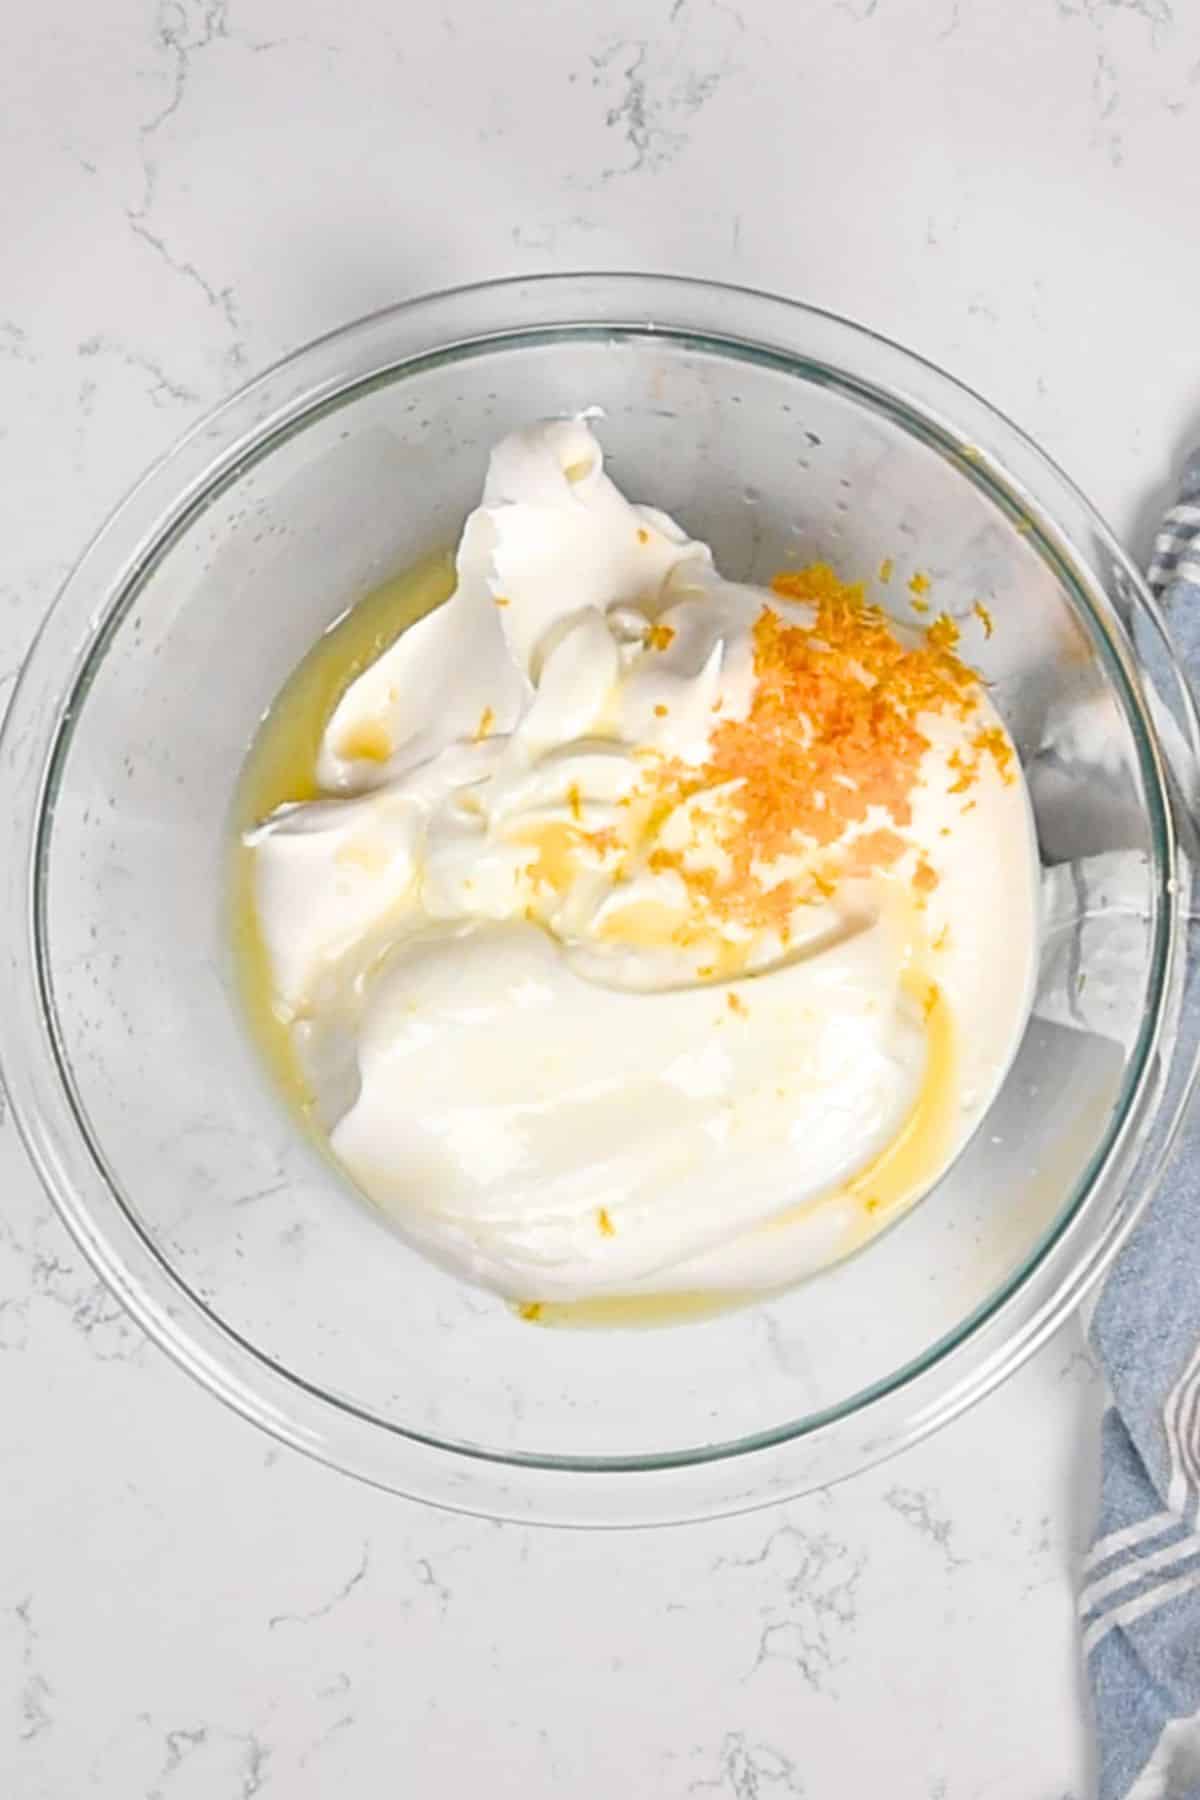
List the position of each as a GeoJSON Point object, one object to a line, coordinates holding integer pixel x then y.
{"type": "Point", "coordinates": [1140, 1599]}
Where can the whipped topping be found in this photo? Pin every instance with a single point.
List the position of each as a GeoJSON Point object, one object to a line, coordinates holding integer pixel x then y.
{"type": "Point", "coordinates": [606, 975]}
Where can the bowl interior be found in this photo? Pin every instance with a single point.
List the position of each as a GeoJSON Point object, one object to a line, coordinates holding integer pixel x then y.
{"type": "Point", "coordinates": [776, 463]}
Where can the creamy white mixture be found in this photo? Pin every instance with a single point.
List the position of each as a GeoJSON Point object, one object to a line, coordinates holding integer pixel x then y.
{"type": "Point", "coordinates": [534, 1042]}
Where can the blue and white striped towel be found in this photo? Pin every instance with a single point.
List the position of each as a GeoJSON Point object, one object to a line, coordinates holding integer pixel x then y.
{"type": "Point", "coordinates": [1140, 1602]}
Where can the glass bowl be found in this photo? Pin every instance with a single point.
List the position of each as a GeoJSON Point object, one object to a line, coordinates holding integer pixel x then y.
{"type": "Point", "coordinates": [781, 435]}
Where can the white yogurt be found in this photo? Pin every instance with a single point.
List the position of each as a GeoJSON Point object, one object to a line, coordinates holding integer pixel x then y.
{"type": "Point", "coordinates": [535, 1048]}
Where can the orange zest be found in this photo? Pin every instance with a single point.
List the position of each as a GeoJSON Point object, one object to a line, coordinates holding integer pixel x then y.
{"type": "Point", "coordinates": [811, 786]}
{"type": "Point", "coordinates": [833, 733]}
{"type": "Point", "coordinates": [990, 742]}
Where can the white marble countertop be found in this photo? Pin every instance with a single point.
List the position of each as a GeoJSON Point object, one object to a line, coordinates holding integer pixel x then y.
{"type": "Point", "coordinates": [193, 187]}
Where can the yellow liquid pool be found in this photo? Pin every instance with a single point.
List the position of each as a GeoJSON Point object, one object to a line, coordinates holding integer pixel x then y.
{"type": "Point", "coordinates": [281, 767]}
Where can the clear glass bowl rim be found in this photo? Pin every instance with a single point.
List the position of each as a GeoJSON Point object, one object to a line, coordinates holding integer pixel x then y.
{"type": "Point", "coordinates": [987, 1346]}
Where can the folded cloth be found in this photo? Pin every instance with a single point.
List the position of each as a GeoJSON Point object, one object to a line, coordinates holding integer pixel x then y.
{"type": "Point", "coordinates": [1140, 1598]}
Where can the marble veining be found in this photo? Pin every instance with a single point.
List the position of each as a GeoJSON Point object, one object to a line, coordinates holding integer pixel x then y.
{"type": "Point", "coordinates": [748, 1771]}
{"type": "Point", "coordinates": [323, 1611]}
{"type": "Point", "coordinates": [808, 1606]}
{"type": "Point", "coordinates": [654, 86]}
{"type": "Point", "coordinates": [921, 1510]}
